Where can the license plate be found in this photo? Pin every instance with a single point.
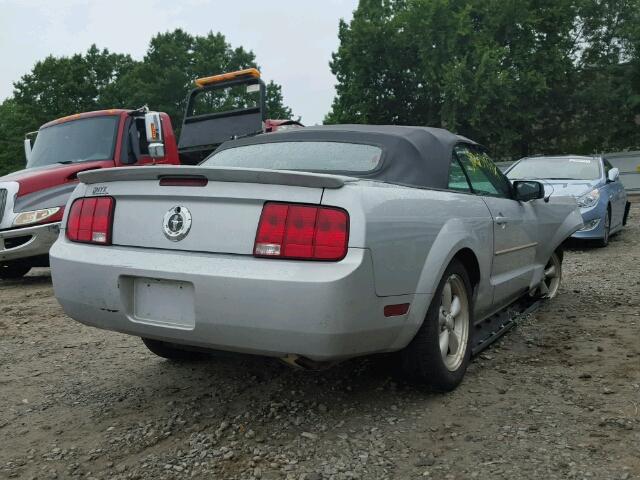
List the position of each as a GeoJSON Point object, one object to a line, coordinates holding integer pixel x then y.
{"type": "Point", "coordinates": [163, 302]}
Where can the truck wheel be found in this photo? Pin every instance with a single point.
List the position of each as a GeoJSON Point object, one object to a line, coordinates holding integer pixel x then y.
{"type": "Point", "coordinates": [171, 351]}
{"type": "Point", "coordinates": [439, 354]}
{"type": "Point", "coordinates": [13, 270]}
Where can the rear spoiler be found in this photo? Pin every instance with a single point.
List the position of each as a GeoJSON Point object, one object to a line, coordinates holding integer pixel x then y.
{"type": "Point", "coordinates": [201, 134]}
{"type": "Point", "coordinates": [218, 174]}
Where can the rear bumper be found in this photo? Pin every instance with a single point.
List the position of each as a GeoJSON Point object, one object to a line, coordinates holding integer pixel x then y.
{"type": "Point", "coordinates": [322, 311]}
{"type": "Point", "coordinates": [27, 242]}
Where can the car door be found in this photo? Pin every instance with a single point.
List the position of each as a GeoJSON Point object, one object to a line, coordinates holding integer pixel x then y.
{"type": "Point", "coordinates": [515, 225]}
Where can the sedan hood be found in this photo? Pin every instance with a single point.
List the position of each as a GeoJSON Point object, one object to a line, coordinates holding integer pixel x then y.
{"type": "Point", "coordinates": [40, 178]}
{"type": "Point", "coordinates": [568, 188]}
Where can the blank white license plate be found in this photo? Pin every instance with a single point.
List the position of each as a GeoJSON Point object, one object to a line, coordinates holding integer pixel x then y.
{"type": "Point", "coordinates": [163, 302]}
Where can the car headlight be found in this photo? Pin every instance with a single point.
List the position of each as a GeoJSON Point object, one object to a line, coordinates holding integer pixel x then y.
{"type": "Point", "coordinates": [589, 199]}
{"type": "Point", "coordinates": [35, 216]}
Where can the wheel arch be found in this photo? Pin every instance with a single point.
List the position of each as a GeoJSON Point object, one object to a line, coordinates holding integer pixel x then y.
{"type": "Point", "coordinates": [571, 224]}
{"type": "Point", "coordinates": [457, 239]}
{"type": "Point", "coordinates": [469, 261]}
{"type": "Point", "coordinates": [437, 262]}
{"type": "Point", "coordinates": [560, 251]}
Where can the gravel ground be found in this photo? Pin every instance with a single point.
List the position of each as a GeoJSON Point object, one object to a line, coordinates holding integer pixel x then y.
{"type": "Point", "coordinates": [558, 397]}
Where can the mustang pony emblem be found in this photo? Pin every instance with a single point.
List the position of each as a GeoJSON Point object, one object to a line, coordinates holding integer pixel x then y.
{"type": "Point", "coordinates": [177, 223]}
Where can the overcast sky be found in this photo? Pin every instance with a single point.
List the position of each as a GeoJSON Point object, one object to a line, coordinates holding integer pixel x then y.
{"type": "Point", "coordinates": [292, 39]}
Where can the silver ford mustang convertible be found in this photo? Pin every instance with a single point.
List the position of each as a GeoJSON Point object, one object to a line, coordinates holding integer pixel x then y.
{"type": "Point", "coordinates": [314, 245]}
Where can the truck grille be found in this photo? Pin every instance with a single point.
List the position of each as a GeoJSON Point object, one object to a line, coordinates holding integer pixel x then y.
{"type": "Point", "coordinates": [3, 201]}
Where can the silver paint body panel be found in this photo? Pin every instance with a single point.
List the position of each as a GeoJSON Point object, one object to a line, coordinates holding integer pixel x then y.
{"type": "Point", "coordinates": [401, 241]}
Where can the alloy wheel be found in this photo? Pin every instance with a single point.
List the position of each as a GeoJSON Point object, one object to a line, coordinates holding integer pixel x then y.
{"type": "Point", "coordinates": [552, 277]}
{"type": "Point", "coordinates": [453, 322]}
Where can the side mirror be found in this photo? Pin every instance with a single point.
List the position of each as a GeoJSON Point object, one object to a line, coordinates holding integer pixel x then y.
{"type": "Point", "coordinates": [613, 175]}
{"type": "Point", "coordinates": [527, 190]}
{"type": "Point", "coordinates": [28, 138]}
{"type": "Point", "coordinates": [27, 149]}
{"type": "Point", "coordinates": [153, 127]}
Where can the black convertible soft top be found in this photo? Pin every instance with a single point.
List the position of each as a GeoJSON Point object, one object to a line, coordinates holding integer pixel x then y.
{"type": "Point", "coordinates": [416, 156]}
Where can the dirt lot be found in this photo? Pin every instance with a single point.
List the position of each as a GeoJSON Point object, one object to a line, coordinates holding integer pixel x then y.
{"type": "Point", "coordinates": [558, 397]}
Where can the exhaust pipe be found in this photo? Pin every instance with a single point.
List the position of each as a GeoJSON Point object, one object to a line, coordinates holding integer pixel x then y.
{"type": "Point", "coordinates": [304, 363]}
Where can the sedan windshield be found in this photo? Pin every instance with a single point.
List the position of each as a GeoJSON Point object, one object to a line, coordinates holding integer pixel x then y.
{"type": "Point", "coordinates": [306, 156]}
{"type": "Point", "coordinates": [80, 140]}
{"type": "Point", "coordinates": [556, 169]}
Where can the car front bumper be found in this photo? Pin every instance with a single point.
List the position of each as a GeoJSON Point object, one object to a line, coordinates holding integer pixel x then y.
{"type": "Point", "coordinates": [595, 230]}
{"type": "Point", "coordinates": [319, 310]}
{"type": "Point", "coordinates": [27, 242]}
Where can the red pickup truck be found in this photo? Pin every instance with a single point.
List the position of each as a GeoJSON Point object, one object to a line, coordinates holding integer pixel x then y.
{"type": "Point", "coordinates": [32, 200]}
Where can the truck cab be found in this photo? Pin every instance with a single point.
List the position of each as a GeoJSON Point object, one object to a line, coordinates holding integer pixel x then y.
{"type": "Point", "coordinates": [32, 200]}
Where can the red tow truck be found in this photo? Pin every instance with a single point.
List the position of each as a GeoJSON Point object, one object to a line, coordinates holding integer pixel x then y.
{"type": "Point", "coordinates": [32, 200]}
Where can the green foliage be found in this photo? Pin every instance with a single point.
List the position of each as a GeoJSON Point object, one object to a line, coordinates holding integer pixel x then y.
{"type": "Point", "coordinates": [520, 76]}
{"type": "Point", "coordinates": [13, 125]}
{"type": "Point", "coordinates": [276, 109]}
{"type": "Point", "coordinates": [56, 87]}
{"type": "Point", "coordinates": [67, 85]}
{"type": "Point", "coordinates": [59, 86]}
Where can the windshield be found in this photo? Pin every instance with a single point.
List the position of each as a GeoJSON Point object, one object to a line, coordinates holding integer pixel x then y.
{"type": "Point", "coordinates": [80, 140]}
{"type": "Point", "coordinates": [306, 156]}
{"type": "Point", "coordinates": [556, 169]}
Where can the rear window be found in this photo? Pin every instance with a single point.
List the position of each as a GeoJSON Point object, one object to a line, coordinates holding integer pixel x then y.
{"type": "Point", "coordinates": [306, 156]}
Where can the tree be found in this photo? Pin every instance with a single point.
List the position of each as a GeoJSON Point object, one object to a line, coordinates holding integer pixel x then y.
{"type": "Point", "coordinates": [99, 79]}
{"type": "Point", "coordinates": [56, 86]}
{"type": "Point", "coordinates": [521, 77]}
{"type": "Point", "coordinates": [276, 108]}
{"type": "Point", "coordinates": [172, 63]}
{"type": "Point", "coordinates": [67, 85]}
{"type": "Point", "coordinates": [13, 125]}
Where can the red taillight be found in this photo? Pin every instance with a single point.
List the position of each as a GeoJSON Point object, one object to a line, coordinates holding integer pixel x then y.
{"type": "Point", "coordinates": [302, 232]}
{"type": "Point", "coordinates": [90, 220]}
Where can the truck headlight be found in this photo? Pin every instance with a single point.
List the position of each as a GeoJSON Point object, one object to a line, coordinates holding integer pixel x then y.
{"type": "Point", "coordinates": [589, 199]}
{"type": "Point", "coordinates": [34, 216]}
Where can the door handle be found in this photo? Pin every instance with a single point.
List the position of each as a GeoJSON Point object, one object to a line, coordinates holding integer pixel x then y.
{"type": "Point", "coordinates": [500, 220]}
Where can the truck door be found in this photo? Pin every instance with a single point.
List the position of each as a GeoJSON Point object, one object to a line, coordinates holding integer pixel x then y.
{"type": "Point", "coordinates": [135, 147]}
{"type": "Point", "coordinates": [515, 225]}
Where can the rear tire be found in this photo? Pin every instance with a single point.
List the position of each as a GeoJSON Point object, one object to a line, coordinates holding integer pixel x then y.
{"type": "Point", "coordinates": [14, 270]}
{"type": "Point", "coordinates": [440, 352]}
{"type": "Point", "coordinates": [171, 351]}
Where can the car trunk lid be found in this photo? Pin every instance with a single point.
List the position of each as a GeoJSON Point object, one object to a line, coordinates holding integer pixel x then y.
{"type": "Point", "coordinates": [223, 205]}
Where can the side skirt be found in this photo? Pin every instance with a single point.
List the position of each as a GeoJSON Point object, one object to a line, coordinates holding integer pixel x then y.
{"type": "Point", "coordinates": [492, 328]}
